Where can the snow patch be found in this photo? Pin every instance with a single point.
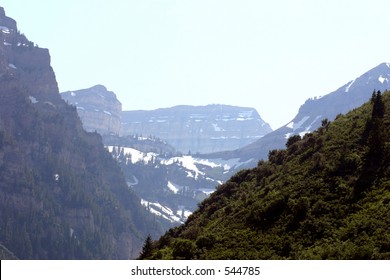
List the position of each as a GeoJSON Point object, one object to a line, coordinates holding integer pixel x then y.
{"type": "Point", "coordinates": [303, 133]}
{"type": "Point", "coordinates": [73, 94]}
{"type": "Point", "coordinates": [349, 86]}
{"type": "Point", "coordinates": [135, 155]}
{"type": "Point", "coordinates": [295, 126]}
{"type": "Point", "coordinates": [134, 183]}
{"type": "Point", "coordinates": [12, 66]}
{"type": "Point", "coordinates": [108, 113]}
{"type": "Point", "coordinates": [5, 29]}
{"type": "Point", "coordinates": [207, 191]}
{"type": "Point", "coordinates": [217, 128]}
{"type": "Point", "coordinates": [290, 125]}
{"type": "Point", "coordinates": [308, 128]}
{"type": "Point", "coordinates": [191, 164]}
{"type": "Point", "coordinates": [183, 213]}
{"type": "Point", "coordinates": [382, 79]}
{"type": "Point", "coordinates": [33, 99]}
{"type": "Point", "coordinates": [173, 187]}
{"type": "Point", "coordinates": [162, 211]}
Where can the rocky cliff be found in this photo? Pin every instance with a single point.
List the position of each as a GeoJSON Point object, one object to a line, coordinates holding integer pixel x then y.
{"type": "Point", "coordinates": [98, 108]}
{"type": "Point", "coordinates": [31, 65]}
{"type": "Point", "coordinates": [198, 129]}
{"type": "Point", "coordinates": [62, 196]}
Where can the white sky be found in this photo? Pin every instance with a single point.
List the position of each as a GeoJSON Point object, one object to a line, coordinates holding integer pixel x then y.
{"type": "Point", "coordinates": [271, 55]}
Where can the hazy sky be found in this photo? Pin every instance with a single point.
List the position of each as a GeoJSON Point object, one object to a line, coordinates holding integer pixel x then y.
{"type": "Point", "coordinates": [271, 55]}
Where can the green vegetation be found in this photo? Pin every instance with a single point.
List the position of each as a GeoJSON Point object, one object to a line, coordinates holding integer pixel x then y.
{"type": "Point", "coordinates": [326, 196]}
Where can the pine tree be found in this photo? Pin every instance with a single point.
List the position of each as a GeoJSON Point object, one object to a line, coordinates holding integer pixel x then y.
{"type": "Point", "coordinates": [378, 109]}
{"type": "Point", "coordinates": [374, 157]}
{"type": "Point", "coordinates": [147, 248]}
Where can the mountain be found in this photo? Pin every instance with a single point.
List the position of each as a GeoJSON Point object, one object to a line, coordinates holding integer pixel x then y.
{"type": "Point", "coordinates": [170, 184]}
{"type": "Point", "coordinates": [62, 195]}
{"type": "Point", "coordinates": [313, 111]}
{"type": "Point", "coordinates": [198, 129]}
{"type": "Point", "coordinates": [5, 254]}
{"type": "Point", "coordinates": [98, 108]}
{"type": "Point", "coordinates": [327, 196]}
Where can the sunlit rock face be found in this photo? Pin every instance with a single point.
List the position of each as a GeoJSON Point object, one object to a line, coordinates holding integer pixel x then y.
{"type": "Point", "coordinates": [98, 108]}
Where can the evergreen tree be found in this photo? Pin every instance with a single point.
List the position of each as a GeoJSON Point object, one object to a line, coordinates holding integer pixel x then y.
{"type": "Point", "coordinates": [378, 109]}
{"type": "Point", "coordinates": [147, 248]}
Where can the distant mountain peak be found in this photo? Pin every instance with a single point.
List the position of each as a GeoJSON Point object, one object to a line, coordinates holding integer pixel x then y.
{"type": "Point", "coordinates": [310, 115]}
{"type": "Point", "coordinates": [199, 129]}
{"type": "Point", "coordinates": [380, 73]}
{"type": "Point", "coordinates": [98, 108]}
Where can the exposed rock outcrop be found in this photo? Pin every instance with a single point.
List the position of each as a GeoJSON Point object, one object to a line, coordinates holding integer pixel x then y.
{"type": "Point", "coordinates": [198, 129]}
{"type": "Point", "coordinates": [98, 108]}
{"type": "Point", "coordinates": [62, 196]}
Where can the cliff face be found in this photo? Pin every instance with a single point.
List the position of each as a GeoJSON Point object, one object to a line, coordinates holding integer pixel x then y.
{"type": "Point", "coordinates": [31, 65]}
{"type": "Point", "coordinates": [98, 109]}
{"type": "Point", "coordinates": [62, 196]}
{"type": "Point", "coordinates": [202, 129]}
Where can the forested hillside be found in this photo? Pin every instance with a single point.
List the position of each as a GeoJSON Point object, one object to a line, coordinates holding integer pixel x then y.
{"type": "Point", "coordinates": [62, 195]}
{"type": "Point", "coordinates": [326, 196]}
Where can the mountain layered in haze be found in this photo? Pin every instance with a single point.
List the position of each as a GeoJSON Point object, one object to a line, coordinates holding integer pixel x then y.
{"type": "Point", "coordinates": [326, 196]}
{"type": "Point", "coordinates": [198, 129]}
{"type": "Point", "coordinates": [98, 108]}
{"type": "Point", "coordinates": [62, 195]}
{"type": "Point", "coordinates": [313, 111]}
{"type": "Point", "coordinates": [170, 184]}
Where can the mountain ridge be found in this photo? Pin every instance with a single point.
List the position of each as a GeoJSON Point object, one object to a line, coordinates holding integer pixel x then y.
{"type": "Point", "coordinates": [325, 196]}
{"type": "Point", "coordinates": [62, 195]}
{"type": "Point", "coordinates": [199, 129]}
{"type": "Point", "coordinates": [310, 114]}
{"type": "Point", "coordinates": [98, 108]}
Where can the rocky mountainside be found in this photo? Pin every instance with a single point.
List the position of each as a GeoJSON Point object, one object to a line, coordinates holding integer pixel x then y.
{"type": "Point", "coordinates": [170, 184]}
{"type": "Point", "coordinates": [313, 111]}
{"type": "Point", "coordinates": [326, 196]}
{"type": "Point", "coordinates": [62, 196]}
{"type": "Point", "coordinates": [98, 108]}
{"type": "Point", "coordinates": [198, 129]}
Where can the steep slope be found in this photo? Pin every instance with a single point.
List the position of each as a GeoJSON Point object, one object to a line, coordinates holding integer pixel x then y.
{"type": "Point", "coordinates": [5, 254]}
{"type": "Point", "coordinates": [313, 111]}
{"type": "Point", "coordinates": [198, 129]}
{"type": "Point", "coordinates": [62, 196]}
{"type": "Point", "coordinates": [327, 196]}
{"type": "Point", "coordinates": [98, 108]}
{"type": "Point", "coordinates": [170, 184]}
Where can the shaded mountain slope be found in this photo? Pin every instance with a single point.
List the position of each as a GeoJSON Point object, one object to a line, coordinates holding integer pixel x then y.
{"type": "Point", "coordinates": [62, 195]}
{"type": "Point", "coordinates": [327, 196]}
